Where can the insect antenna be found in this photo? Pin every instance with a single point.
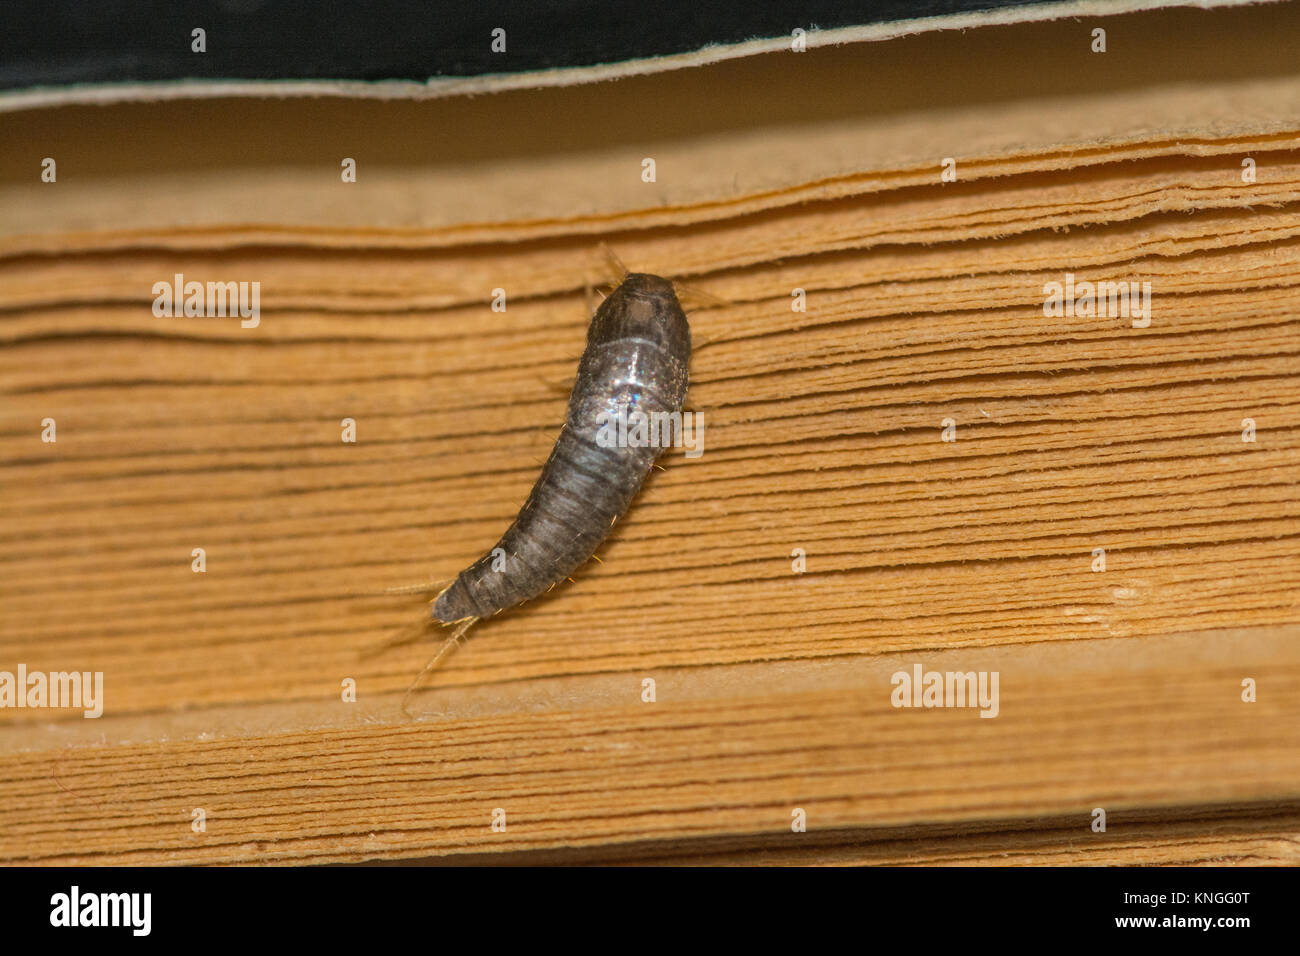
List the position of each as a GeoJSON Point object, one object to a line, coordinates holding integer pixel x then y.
{"type": "Point", "coordinates": [449, 645]}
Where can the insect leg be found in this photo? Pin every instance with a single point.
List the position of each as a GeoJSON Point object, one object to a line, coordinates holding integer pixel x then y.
{"type": "Point", "coordinates": [557, 387]}
{"type": "Point", "coordinates": [695, 292]}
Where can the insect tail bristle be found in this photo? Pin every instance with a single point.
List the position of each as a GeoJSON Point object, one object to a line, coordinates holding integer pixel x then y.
{"type": "Point", "coordinates": [407, 635]}
{"type": "Point", "coordinates": [448, 646]}
{"type": "Point", "coordinates": [402, 589]}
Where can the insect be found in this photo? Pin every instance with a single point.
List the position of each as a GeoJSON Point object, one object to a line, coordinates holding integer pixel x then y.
{"type": "Point", "coordinates": [636, 360]}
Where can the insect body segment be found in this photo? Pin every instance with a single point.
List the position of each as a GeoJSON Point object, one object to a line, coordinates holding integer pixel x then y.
{"type": "Point", "coordinates": [636, 359]}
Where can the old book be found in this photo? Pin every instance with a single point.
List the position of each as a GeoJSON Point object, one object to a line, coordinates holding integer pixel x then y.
{"type": "Point", "coordinates": [997, 335]}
